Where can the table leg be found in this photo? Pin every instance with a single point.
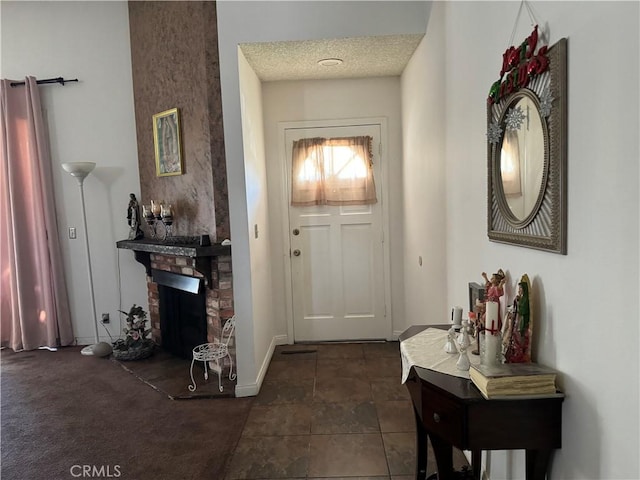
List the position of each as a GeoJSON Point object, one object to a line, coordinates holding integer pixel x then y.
{"type": "Point", "coordinates": [537, 464]}
{"type": "Point", "coordinates": [443, 452]}
{"type": "Point", "coordinates": [421, 449]}
{"type": "Point", "coordinates": [476, 463]}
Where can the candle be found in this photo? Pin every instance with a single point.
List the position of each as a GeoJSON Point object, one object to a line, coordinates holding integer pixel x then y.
{"type": "Point", "coordinates": [491, 318]}
{"type": "Point", "coordinates": [155, 208]}
{"type": "Point", "coordinates": [166, 210]}
{"type": "Point", "coordinates": [492, 350]}
{"type": "Point", "coordinates": [457, 316]}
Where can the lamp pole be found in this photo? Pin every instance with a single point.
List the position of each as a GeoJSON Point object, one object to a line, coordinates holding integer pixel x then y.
{"type": "Point", "coordinates": [80, 170]}
{"type": "Point", "coordinates": [88, 250]}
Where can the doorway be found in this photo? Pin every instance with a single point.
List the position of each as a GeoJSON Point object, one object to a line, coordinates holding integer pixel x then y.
{"type": "Point", "coordinates": [338, 285]}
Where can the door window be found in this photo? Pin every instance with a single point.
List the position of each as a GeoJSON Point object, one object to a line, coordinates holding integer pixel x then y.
{"type": "Point", "coordinates": [332, 171]}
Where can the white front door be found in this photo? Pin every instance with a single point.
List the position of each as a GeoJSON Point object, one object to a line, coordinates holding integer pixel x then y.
{"type": "Point", "coordinates": [337, 260]}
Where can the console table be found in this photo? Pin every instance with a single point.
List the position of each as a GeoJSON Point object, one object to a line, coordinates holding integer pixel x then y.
{"type": "Point", "coordinates": [450, 411]}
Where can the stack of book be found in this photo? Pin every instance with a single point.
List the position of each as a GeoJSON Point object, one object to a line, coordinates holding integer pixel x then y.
{"type": "Point", "coordinates": [514, 380]}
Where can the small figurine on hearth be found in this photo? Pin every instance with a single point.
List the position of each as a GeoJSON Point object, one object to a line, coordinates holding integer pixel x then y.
{"type": "Point", "coordinates": [133, 218]}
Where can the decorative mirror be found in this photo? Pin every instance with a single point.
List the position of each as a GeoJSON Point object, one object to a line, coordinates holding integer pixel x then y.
{"type": "Point", "coordinates": [527, 148]}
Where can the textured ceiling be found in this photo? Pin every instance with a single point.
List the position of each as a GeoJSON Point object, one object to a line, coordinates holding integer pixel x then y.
{"type": "Point", "coordinates": [362, 57]}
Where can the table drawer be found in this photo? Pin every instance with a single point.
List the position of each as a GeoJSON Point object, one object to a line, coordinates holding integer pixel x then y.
{"type": "Point", "coordinates": [442, 416]}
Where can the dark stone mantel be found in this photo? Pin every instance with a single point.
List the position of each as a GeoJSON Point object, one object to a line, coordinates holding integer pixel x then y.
{"type": "Point", "coordinates": [142, 250]}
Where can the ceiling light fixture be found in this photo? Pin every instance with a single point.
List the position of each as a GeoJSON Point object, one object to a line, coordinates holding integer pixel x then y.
{"type": "Point", "coordinates": [330, 62]}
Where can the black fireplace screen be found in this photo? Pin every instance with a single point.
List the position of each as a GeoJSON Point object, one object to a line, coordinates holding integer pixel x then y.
{"type": "Point", "coordinates": [183, 320]}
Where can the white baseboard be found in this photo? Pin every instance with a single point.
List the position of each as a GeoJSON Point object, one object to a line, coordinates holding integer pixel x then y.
{"type": "Point", "coordinates": [252, 389]}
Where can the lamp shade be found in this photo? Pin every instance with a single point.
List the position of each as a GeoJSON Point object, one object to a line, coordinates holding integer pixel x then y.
{"type": "Point", "coordinates": [79, 169]}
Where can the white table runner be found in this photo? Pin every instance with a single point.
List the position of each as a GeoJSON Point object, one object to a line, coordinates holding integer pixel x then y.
{"type": "Point", "coordinates": [426, 350]}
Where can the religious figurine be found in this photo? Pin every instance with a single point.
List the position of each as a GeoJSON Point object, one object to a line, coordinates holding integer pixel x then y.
{"type": "Point", "coordinates": [494, 290]}
{"type": "Point", "coordinates": [463, 345]}
{"type": "Point", "coordinates": [518, 349]}
{"type": "Point", "coordinates": [133, 218]}
{"type": "Point", "coordinates": [450, 346]}
{"type": "Point", "coordinates": [494, 286]}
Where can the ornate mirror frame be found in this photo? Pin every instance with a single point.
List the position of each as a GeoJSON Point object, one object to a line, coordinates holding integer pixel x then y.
{"type": "Point", "coordinates": [545, 226]}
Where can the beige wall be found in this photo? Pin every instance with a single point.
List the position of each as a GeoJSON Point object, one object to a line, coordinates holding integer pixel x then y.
{"type": "Point", "coordinates": [424, 181]}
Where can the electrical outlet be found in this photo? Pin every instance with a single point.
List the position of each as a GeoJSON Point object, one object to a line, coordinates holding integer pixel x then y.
{"type": "Point", "coordinates": [72, 233]}
{"type": "Point", "coordinates": [105, 318]}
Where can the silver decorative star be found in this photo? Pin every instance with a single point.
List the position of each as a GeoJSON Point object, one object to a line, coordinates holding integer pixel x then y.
{"type": "Point", "coordinates": [494, 132]}
{"type": "Point", "coordinates": [545, 102]}
{"type": "Point", "coordinates": [514, 119]}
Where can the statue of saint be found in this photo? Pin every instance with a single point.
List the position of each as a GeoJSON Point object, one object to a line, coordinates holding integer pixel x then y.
{"type": "Point", "coordinates": [133, 218]}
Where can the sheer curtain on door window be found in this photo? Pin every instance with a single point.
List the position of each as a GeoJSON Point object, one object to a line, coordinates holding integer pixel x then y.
{"type": "Point", "coordinates": [34, 302]}
{"type": "Point", "coordinates": [332, 171]}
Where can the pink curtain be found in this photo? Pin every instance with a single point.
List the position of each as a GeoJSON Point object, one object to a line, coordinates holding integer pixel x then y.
{"type": "Point", "coordinates": [34, 302]}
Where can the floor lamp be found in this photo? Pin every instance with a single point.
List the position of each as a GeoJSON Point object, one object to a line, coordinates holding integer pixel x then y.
{"type": "Point", "coordinates": [80, 170]}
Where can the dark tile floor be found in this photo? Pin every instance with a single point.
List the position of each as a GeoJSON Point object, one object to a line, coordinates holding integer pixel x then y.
{"type": "Point", "coordinates": [330, 411]}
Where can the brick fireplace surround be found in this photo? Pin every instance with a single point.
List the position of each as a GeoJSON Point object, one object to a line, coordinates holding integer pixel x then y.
{"type": "Point", "coordinates": [210, 263]}
{"type": "Point", "coordinates": [219, 295]}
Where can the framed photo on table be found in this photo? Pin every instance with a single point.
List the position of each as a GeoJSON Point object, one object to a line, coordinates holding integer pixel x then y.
{"type": "Point", "coordinates": [167, 143]}
{"type": "Point", "coordinates": [476, 294]}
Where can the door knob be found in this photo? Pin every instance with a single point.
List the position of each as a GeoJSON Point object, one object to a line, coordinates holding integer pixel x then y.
{"type": "Point", "coordinates": [296, 231]}
{"type": "Point", "coordinates": [296, 253]}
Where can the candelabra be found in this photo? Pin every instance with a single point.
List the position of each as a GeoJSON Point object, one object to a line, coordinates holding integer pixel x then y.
{"type": "Point", "coordinates": [158, 215]}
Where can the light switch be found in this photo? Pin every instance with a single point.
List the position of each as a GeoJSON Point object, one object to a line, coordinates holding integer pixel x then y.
{"type": "Point", "coordinates": [72, 233]}
{"type": "Point", "coordinates": [255, 230]}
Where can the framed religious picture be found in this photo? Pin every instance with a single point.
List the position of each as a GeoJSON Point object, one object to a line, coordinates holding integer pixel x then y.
{"type": "Point", "coordinates": [167, 143]}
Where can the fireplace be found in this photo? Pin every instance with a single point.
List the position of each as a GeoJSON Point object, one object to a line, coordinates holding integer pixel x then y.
{"type": "Point", "coordinates": [189, 288]}
{"type": "Point", "coordinates": [183, 313]}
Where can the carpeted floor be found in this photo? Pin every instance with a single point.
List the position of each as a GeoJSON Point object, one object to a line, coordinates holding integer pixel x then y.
{"type": "Point", "coordinates": [169, 375]}
{"type": "Point", "coordinates": [324, 411]}
{"type": "Point", "coordinates": [63, 412]}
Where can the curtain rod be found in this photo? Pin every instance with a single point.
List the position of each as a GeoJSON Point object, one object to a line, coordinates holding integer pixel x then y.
{"type": "Point", "coordinates": [59, 80]}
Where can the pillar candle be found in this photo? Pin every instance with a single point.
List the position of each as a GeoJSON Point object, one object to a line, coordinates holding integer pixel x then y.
{"type": "Point", "coordinates": [491, 317]}
{"type": "Point", "coordinates": [457, 316]}
{"type": "Point", "coordinates": [492, 349]}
